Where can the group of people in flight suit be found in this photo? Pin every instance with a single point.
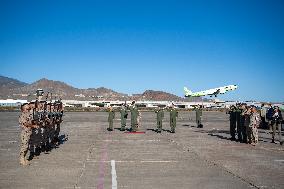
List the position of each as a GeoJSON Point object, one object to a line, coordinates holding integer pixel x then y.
{"type": "Point", "coordinates": [136, 116]}
{"type": "Point", "coordinates": [245, 121]}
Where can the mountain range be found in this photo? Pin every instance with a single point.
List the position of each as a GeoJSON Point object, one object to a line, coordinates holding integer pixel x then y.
{"type": "Point", "coordinates": [14, 89]}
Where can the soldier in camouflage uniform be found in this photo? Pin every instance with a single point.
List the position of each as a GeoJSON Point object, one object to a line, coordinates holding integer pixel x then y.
{"type": "Point", "coordinates": [38, 121]}
{"type": "Point", "coordinates": [173, 118]}
{"type": "Point", "coordinates": [111, 116]}
{"type": "Point", "coordinates": [58, 108]}
{"type": "Point", "coordinates": [123, 117]}
{"type": "Point", "coordinates": [247, 114]}
{"type": "Point", "coordinates": [160, 116]}
{"type": "Point", "coordinates": [25, 120]}
{"type": "Point", "coordinates": [254, 124]}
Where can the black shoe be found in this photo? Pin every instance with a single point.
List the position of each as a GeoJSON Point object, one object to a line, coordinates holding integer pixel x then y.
{"type": "Point", "coordinates": [232, 139]}
{"type": "Point", "coordinates": [173, 132]}
{"type": "Point", "coordinates": [281, 143]}
{"type": "Point", "coordinates": [122, 129]}
{"type": "Point", "coordinates": [273, 141]}
{"type": "Point", "coordinates": [110, 129]}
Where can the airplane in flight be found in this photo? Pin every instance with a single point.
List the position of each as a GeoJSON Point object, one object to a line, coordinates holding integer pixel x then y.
{"type": "Point", "coordinates": [210, 92]}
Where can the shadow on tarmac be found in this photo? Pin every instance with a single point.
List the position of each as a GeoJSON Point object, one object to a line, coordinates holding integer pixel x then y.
{"type": "Point", "coordinates": [47, 148]}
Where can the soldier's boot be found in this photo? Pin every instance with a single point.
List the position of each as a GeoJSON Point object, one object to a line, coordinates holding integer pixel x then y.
{"type": "Point", "coordinates": [37, 151]}
{"type": "Point", "coordinates": [159, 129]}
{"type": "Point", "coordinates": [55, 142]}
{"type": "Point", "coordinates": [24, 162]}
{"type": "Point", "coordinates": [110, 128]}
{"type": "Point", "coordinates": [48, 148]}
{"type": "Point", "coordinates": [273, 141]}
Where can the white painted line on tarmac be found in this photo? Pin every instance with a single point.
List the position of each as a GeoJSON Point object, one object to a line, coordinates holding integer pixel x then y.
{"type": "Point", "coordinates": [153, 161]}
{"type": "Point", "coordinates": [113, 175]}
{"type": "Point", "coordinates": [279, 160]}
{"type": "Point", "coordinates": [128, 140]}
{"type": "Point", "coordinates": [138, 161]}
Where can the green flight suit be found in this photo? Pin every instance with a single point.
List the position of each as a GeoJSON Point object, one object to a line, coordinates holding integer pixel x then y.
{"type": "Point", "coordinates": [173, 119]}
{"type": "Point", "coordinates": [111, 116]}
{"type": "Point", "coordinates": [198, 112]}
{"type": "Point", "coordinates": [123, 117]}
{"type": "Point", "coordinates": [160, 116]}
{"type": "Point", "coordinates": [134, 116]}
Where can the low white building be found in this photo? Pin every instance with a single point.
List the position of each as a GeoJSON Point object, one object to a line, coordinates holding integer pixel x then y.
{"type": "Point", "coordinates": [12, 102]}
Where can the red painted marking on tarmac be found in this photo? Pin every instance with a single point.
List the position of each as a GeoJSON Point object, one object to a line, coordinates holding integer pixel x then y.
{"type": "Point", "coordinates": [138, 132]}
{"type": "Point", "coordinates": [104, 157]}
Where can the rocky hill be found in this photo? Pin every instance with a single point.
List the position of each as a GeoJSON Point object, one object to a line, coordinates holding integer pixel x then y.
{"type": "Point", "coordinates": [11, 88]}
{"type": "Point", "coordinates": [7, 85]}
{"type": "Point", "coordinates": [159, 96]}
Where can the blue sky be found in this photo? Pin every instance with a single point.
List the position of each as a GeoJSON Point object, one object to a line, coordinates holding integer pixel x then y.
{"type": "Point", "coordinates": [131, 46]}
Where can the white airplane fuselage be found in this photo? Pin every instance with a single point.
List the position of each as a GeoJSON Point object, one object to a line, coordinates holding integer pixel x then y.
{"type": "Point", "coordinates": [210, 92]}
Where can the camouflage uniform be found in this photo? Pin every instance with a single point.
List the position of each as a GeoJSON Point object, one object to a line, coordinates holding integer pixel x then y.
{"type": "Point", "coordinates": [37, 120]}
{"type": "Point", "coordinates": [160, 116]}
{"type": "Point", "coordinates": [25, 120]}
{"type": "Point", "coordinates": [254, 124]}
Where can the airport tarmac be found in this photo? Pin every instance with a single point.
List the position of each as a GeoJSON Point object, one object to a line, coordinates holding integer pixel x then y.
{"type": "Point", "coordinates": [92, 157]}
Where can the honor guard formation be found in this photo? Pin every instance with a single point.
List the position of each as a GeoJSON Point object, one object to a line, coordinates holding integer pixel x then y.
{"type": "Point", "coordinates": [40, 122]}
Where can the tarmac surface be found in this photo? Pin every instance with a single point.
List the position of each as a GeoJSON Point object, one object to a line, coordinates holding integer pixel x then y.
{"type": "Point", "coordinates": [92, 157]}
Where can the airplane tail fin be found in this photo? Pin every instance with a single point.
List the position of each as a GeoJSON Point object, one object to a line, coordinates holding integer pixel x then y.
{"type": "Point", "coordinates": [187, 92]}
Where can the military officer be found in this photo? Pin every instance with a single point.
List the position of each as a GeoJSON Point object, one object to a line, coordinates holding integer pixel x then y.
{"type": "Point", "coordinates": [173, 118]}
{"type": "Point", "coordinates": [198, 112]}
{"type": "Point", "coordinates": [123, 117]}
{"type": "Point", "coordinates": [232, 113]}
{"type": "Point", "coordinates": [239, 122]}
{"type": "Point", "coordinates": [25, 120]}
{"type": "Point", "coordinates": [247, 113]}
{"type": "Point", "coordinates": [254, 124]}
{"type": "Point", "coordinates": [160, 116]}
{"type": "Point", "coordinates": [134, 116]}
{"type": "Point", "coordinates": [243, 124]}
{"type": "Point", "coordinates": [111, 116]}
{"type": "Point", "coordinates": [276, 123]}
